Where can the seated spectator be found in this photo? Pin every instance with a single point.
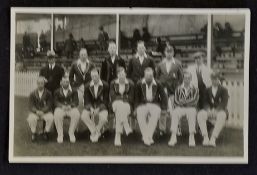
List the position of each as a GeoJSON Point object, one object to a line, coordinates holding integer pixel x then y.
{"type": "Point", "coordinates": [70, 46]}
{"type": "Point", "coordinates": [228, 31]}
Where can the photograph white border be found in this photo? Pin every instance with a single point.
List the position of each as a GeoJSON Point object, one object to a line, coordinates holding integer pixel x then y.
{"type": "Point", "coordinates": [130, 159]}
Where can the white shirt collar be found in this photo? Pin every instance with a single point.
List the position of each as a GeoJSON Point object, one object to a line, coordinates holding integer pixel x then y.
{"type": "Point", "coordinates": [69, 88]}
{"type": "Point", "coordinates": [172, 60]}
{"type": "Point", "coordinates": [80, 62]}
{"type": "Point", "coordinates": [153, 82]}
{"type": "Point", "coordinates": [117, 81]}
{"type": "Point", "coordinates": [137, 55]}
{"type": "Point", "coordinates": [51, 66]}
{"type": "Point", "coordinates": [100, 83]}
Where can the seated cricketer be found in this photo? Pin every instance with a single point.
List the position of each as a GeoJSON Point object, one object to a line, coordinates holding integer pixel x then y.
{"type": "Point", "coordinates": [66, 104]}
{"type": "Point", "coordinates": [122, 97]}
{"type": "Point", "coordinates": [40, 105]}
{"type": "Point", "coordinates": [150, 103]}
{"type": "Point", "coordinates": [215, 110]}
{"type": "Point", "coordinates": [96, 98]}
{"type": "Point", "coordinates": [186, 99]}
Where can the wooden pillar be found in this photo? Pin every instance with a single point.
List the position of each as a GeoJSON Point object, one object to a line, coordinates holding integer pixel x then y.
{"type": "Point", "coordinates": [52, 31]}
{"type": "Point", "coordinates": [118, 32]}
{"type": "Point", "coordinates": [209, 40]}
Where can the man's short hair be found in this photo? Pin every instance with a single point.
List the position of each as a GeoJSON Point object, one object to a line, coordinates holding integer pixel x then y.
{"type": "Point", "coordinates": [41, 78]}
{"type": "Point", "coordinates": [148, 69]}
{"type": "Point", "coordinates": [65, 77]}
{"type": "Point", "coordinates": [120, 69]}
{"type": "Point", "coordinates": [199, 54]}
{"type": "Point", "coordinates": [82, 49]}
{"type": "Point", "coordinates": [186, 73]}
{"type": "Point", "coordinates": [215, 75]}
{"type": "Point", "coordinates": [94, 70]}
{"type": "Point", "coordinates": [140, 42]}
{"type": "Point", "coordinates": [112, 42]}
{"type": "Point", "coordinates": [50, 54]}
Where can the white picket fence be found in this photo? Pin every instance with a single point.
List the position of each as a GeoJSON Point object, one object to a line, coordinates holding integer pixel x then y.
{"type": "Point", "coordinates": [25, 82]}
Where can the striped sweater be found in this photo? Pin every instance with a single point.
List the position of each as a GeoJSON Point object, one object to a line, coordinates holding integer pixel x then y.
{"type": "Point", "coordinates": [186, 97]}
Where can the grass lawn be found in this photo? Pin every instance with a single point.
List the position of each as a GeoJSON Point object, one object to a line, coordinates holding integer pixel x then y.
{"type": "Point", "coordinates": [230, 142]}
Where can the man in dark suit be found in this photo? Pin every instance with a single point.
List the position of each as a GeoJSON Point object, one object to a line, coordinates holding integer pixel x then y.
{"type": "Point", "coordinates": [96, 98]}
{"type": "Point", "coordinates": [52, 72]}
{"type": "Point", "coordinates": [111, 63]}
{"type": "Point", "coordinates": [215, 110]}
{"type": "Point", "coordinates": [138, 63]}
{"type": "Point", "coordinates": [66, 104]}
{"type": "Point", "coordinates": [40, 106]}
{"type": "Point", "coordinates": [80, 74]}
{"type": "Point", "coordinates": [170, 74]}
{"type": "Point", "coordinates": [150, 103]}
{"type": "Point", "coordinates": [122, 98]}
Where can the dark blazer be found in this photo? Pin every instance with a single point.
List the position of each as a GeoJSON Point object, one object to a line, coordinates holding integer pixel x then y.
{"type": "Point", "coordinates": [109, 69]}
{"type": "Point", "coordinates": [71, 98]}
{"type": "Point", "coordinates": [53, 77]}
{"type": "Point", "coordinates": [219, 102]}
{"type": "Point", "coordinates": [172, 79]}
{"type": "Point", "coordinates": [43, 104]}
{"type": "Point", "coordinates": [135, 70]}
{"type": "Point", "coordinates": [77, 77]}
{"type": "Point", "coordinates": [101, 101]}
{"type": "Point", "coordinates": [159, 96]}
{"type": "Point", "coordinates": [127, 96]}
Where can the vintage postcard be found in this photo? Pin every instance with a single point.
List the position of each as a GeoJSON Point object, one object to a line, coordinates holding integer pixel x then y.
{"type": "Point", "coordinates": [129, 85]}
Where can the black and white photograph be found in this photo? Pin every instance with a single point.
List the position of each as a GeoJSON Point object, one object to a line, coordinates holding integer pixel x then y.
{"type": "Point", "coordinates": [129, 85]}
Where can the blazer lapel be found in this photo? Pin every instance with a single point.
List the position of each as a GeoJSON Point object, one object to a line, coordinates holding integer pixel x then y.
{"type": "Point", "coordinates": [91, 89]}
{"type": "Point", "coordinates": [126, 87]}
{"type": "Point", "coordinates": [80, 70]}
{"type": "Point", "coordinates": [143, 88]}
{"type": "Point", "coordinates": [163, 66]}
{"type": "Point", "coordinates": [154, 90]}
{"type": "Point", "coordinates": [100, 89]}
{"type": "Point", "coordinates": [116, 87]}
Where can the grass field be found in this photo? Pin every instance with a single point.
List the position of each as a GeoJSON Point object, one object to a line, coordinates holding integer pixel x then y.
{"type": "Point", "coordinates": [230, 142]}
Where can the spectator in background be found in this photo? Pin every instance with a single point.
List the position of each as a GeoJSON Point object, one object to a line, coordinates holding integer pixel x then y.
{"type": "Point", "coordinates": [204, 31]}
{"type": "Point", "coordinates": [70, 46]}
{"type": "Point", "coordinates": [111, 64]}
{"type": "Point", "coordinates": [146, 35]}
{"type": "Point", "coordinates": [160, 46]}
{"type": "Point", "coordinates": [82, 43]}
{"type": "Point", "coordinates": [42, 41]}
{"type": "Point", "coordinates": [135, 38]}
{"type": "Point", "coordinates": [218, 30]}
{"type": "Point", "coordinates": [228, 31]}
{"type": "Point", "coordinates": [26, 44]}
{"type": "Point", "coordinates": [52, 72]}
{"type": "Point", "coordinates": [103, 38]}
{"type": "Point", "coordinates": [139, 63]}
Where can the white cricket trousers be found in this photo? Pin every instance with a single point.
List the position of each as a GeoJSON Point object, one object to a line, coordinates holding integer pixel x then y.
{"type": "Point", "coordinates": [33, 118]}
{"type": "Point", "coordinates": [59, 115]}
{"type": "Point", "coordinates": [147, 117]}
{"type": "Point", "coordinates": [89, 120]}
{"type": "Point", "coordinates": [218, 116]}
{"type": "Point", "coordinates": [177, 113]}
{"type": "Point", "coordinates": [122, 111]}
